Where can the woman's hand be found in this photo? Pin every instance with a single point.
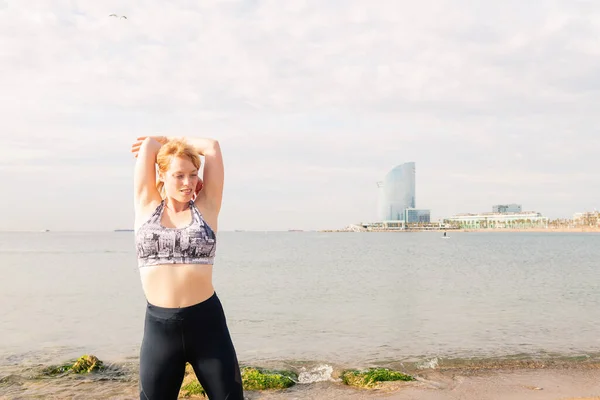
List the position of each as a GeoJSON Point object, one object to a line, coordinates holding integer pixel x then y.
{"type": "Point", "coordinates": [135, 147]}
{"type": "Point", "coordinates": [198, 188]}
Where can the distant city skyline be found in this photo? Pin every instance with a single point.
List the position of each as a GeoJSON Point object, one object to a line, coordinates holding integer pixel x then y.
{"type": "Point", "coordinates": [312, 102]}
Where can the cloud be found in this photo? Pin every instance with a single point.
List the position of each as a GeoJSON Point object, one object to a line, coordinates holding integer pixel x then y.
{"type": "Point", "coordinates": [492, 100]}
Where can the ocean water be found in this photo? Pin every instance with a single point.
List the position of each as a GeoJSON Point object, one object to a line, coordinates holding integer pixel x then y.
{"type": "Point", "coordinates": [315, 298]}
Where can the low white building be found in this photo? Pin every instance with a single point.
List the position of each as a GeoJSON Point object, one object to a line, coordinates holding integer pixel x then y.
{"type": "Point", "coordinates": [384, 225]}
{"type": "Point", "coordinates": [390, 226]}
{"type": "Point", "coordinates": [588, 218]}
{"type": "Point", "coordinates": [527, 219]}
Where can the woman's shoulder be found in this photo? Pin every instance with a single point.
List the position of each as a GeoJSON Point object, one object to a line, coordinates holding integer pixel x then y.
{"type": "Point", "coordinates": [209, 214]}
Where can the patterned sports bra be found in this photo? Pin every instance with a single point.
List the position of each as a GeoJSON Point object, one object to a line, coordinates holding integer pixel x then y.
{"type": "Point", "coordinates": [157, 244]}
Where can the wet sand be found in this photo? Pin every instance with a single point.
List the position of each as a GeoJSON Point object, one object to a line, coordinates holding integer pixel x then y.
{"type": "Point", "coordinates": [507, 385]}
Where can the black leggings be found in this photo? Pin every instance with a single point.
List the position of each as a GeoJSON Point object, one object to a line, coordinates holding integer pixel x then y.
{"type": "Point", "coordinates": [196, 334]}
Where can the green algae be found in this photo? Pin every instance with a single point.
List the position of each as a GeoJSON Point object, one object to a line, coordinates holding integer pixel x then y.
{"type": "Point", "coordinates": [86, 364]}
{"type": "Point", "coordinates": [253, 378]}
{"type": "Point", "coordinates": [83, 365]}
{"type": "Point", "coordinates": [372, 376]}
{"type": "Point", "coordinates": [261, 379]}
{"type": "Point", "coordinates": [192, 388]}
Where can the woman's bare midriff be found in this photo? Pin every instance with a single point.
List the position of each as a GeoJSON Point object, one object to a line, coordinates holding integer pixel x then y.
{"type": "Point", "coordinates": [177, 285]}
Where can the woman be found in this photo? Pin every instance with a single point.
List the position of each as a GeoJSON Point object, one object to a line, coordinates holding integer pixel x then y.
{"type": "Point", "coordinates": [176, 225]}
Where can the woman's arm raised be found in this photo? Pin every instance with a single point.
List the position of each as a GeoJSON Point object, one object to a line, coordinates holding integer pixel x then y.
{"type": "Point", "coordinates": [144, 178]}
{"type": "Point", "coordinates": [214, 175]}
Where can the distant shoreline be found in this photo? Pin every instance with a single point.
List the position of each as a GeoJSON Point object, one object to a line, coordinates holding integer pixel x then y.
{"type": "Point", "coordinates": [560, 230]}
{"type": "Point", "coordinates": [511, 230]}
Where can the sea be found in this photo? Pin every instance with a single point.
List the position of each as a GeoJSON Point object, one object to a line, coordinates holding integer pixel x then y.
{"type": "Point", "coordinates": [316, 302]}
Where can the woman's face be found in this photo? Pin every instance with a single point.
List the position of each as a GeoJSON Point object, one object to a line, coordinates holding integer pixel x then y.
{"type": "Point", "coordinates": [180, 179]}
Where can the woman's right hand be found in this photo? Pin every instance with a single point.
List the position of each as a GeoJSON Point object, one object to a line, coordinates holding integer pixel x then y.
{"type": "Point", "coordinates": [135, 147]}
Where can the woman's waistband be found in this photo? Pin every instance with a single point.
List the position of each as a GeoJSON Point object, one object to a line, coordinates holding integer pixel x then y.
{"type": "Point", "coordinates": [181, 312]}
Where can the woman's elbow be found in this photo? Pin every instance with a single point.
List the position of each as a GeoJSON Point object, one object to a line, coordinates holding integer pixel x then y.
{"type": "Point", "coordinates": [214, 147]}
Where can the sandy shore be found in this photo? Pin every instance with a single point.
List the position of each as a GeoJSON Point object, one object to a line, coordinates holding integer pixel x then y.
{"type": "Point", "coordinates": [507, 385]}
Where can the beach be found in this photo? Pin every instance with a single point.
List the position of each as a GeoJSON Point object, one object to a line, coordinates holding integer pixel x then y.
{"type": "Point", "coordinates": [522, 381]}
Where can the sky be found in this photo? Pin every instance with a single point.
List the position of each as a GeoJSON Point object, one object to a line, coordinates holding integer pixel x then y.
{"type": "Point", "coordinates": [312, 103]}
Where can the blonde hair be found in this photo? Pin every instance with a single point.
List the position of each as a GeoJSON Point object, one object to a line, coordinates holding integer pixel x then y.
{"type": "Point", "coordinates": [174, 148]}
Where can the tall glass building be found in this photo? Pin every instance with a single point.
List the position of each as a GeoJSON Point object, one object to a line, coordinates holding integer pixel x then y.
{"type": "Point", "coordinates": [397, 192]}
